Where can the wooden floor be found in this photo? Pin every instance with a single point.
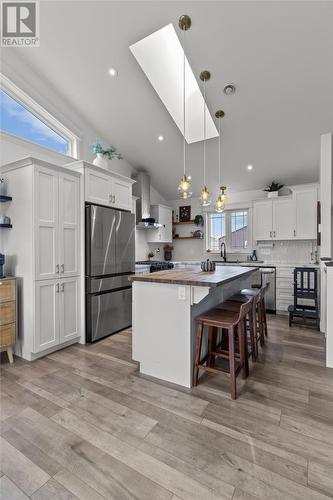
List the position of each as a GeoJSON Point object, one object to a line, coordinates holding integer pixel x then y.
{"type": "Point", "coordinates": [81, 423]}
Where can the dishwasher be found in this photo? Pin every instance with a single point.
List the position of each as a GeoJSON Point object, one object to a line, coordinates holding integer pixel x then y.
{"type": "Point", "coordinates": [268, 275]}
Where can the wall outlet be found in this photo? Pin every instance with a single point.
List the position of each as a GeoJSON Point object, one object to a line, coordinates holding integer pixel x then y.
{"type": "Point", "coordinates": [181, 293]}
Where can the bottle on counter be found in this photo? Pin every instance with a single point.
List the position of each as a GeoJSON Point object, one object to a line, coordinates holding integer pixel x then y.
{"type": "Point", "coordinates": [254, 257]}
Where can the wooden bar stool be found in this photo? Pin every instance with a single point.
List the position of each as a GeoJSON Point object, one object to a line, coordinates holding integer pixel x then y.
{"type": "Point", "coordinates": [249, 322]}
{"type": "Point", "coordinates": [231, 322]}
{"type": "Point", "coordinates": [260, 319]}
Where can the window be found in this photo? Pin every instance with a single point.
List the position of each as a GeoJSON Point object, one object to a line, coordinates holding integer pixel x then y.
{"type": "Point", "coordinates": [230, 227]}
{"type": "Point", "coordinates": [22, 117]}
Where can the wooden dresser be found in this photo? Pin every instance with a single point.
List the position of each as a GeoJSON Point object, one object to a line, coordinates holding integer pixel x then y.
{"type": "Point", "coordinates": [8, 318]}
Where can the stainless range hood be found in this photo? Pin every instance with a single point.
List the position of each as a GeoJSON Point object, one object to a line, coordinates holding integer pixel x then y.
{"type": "Point", "coordinates": [141, 189]}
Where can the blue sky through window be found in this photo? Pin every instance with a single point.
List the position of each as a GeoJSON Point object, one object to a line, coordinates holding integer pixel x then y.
{"type": "Point", "coordinates": [19, 121]}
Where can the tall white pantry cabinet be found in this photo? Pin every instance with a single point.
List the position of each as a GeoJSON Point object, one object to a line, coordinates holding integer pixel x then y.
{"type": "Point", "coordinates": [43, 250]}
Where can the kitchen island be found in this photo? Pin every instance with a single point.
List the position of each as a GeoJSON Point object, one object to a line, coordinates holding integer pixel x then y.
{"type": "Point", "coordinates": [165, 305]}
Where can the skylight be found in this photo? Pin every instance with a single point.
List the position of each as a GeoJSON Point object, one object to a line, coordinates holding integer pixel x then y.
{"type": "Point", "coordinates": [160, 56]}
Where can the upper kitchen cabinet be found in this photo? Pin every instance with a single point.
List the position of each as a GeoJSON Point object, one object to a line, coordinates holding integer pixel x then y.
{"type": "Point", "coordinates": [263, 220]}
{"type": "Point", "coordinates": [283, 218]}
{"type": "Point", "coordinates": [306, 200]}
{"type": "Point", "coordinates": [106, 188]}
{"type": "Point", "coordinates": [287, 217]}
{"type": "Point", "coordinates": [162, 215]}
{"type": "Point", "coordinates": [56, 219]}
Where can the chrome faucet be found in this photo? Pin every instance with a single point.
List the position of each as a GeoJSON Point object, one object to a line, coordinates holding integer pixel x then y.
{"type": "Point", "coordinates": [224, 251]}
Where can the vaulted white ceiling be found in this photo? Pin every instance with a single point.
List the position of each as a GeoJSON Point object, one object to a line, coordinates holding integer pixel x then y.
{"type": "Point", "coordinates": [278, 54]}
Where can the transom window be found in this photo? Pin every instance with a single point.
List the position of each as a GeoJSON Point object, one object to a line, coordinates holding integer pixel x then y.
{"type": "Point", "coordinates": [20, 116]}
{"type": "Point", "coordinates": [230, 227]}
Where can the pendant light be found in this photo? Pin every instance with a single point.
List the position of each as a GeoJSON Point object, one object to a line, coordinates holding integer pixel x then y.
{"type": "Point", "coordinates": [222, 198]}
{"type": "Point", "coordinates": [184, 188]}
{"type": "Point", "coordinates": [205, 197]}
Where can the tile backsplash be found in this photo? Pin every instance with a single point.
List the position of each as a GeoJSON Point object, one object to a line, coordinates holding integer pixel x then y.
{"type": "Point", "coordinates": [286, 251]}
{"type": "Point", "coordinates": [282, 252]}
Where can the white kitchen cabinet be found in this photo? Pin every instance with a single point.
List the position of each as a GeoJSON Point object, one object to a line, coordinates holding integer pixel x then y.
{"type": "Point", "coordinates": [57, 203]}
{"type": "Point", "coordinates": [46, 195]}
{"type": "Point", "coordinates": [44, 250]}
{"type": "Point", "coordinates": [57, 312]}
{"type": "Point", "coordinates": [69, 224]}
{"type": "Point", "coordinates": [46, 315]}
{"type": "Point", "coordinates": [163, 215]}
{"type": "Point", "coordinates": [287, 217]}
{"type": "Point", "coordinates": [121, 194]}
{"type": "Point", "coordinates": [69, 309]}
{"type": "Point", "coordinates": [104, 187]}
{"type": "Point", "coordinates": [97, 187]}
{"type": "Point", "coordinates": [283, 218]}
{"type": "Point", "coordinates": [306, 214]}
{"type": "Point", "coordinates": [263, 220]}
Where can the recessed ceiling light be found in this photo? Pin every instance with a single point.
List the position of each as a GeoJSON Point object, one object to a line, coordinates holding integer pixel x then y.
{"type": "Point", "coordinates": [113, 72]}
{"type": "Point", "coordinates": [229, 89]}
{"type": "Point", "coordinates": [160, 138]}
{"type": "Point", "coordinates": [250, 167]}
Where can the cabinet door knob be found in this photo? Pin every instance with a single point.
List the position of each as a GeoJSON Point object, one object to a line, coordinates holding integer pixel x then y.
{"type": "Point", "coordinates": [114, 198]}
{"type": "Point", "coordinates": [110, 198]}
{"type": "Point", "coordinates": [62, 267]}
{"type": "Point", "coordinates": [62, 287]}
{"type": "Point", "coordinates": [294, 232]}
{"type": "Point", "coordinates": [57, 287]}
{"type": "Point", "coordinates": [57, 268]}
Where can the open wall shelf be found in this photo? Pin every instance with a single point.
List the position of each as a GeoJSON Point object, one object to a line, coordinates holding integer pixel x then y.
{"type": "Point", "coordinates": [187, 238]}
{"type": "Point", "coordinates": [183, 222]}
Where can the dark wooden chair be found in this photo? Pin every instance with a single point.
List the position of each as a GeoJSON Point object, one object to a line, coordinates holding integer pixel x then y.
{"type": "Point", "coordinates": [305, 304]}
{"type": "Point", "coordinates": [235, 360]}
{"type": "Point", "coordinates": [259, 312]}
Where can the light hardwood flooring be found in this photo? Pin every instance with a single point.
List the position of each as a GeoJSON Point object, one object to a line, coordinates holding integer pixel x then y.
{"type": "Point", "coordinates": [82, 424]}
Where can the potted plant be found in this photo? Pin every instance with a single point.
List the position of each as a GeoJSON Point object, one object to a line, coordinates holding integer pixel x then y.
{"type": "Point", "coordinates": [103, 155]}
{"type": "Point", "coordinates": [273, 188]}
{"type": "Point", "coordinates": [198, 220]}
{"type": "Point", "coordinates": [168, 252]}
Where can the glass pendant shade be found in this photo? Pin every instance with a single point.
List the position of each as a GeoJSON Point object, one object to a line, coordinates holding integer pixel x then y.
{"type": "Point", "coordinates": [184, 187]}
{"type": "Point", "coordinates": [221, 200]}
{"type": "Point", "coordinates": [205, 197]}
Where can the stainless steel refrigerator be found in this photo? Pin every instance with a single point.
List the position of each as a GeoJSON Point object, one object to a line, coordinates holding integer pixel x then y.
{"type": "Point", "coordinates": [110, 259]}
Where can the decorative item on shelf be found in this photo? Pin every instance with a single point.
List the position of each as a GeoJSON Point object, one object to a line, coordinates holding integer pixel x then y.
{"type": "Point", "coordinates": [208, 266]}
{"type": "Point", "coordinates": [104, 155]}
{"type": "Point", "coordinates": [3, 186]}
{"type": "Point", "coordinates": [5, 221]}
{"type": "Point", "coordinates": [205, 197]}
{"type": "Point", "coordinates": [197, 234]}
{"type": "Point", "coordinates": [168, 252]}
{"type": "Point", "coordinates": [184, 188]}
{"type": "Point", "coordinates": [185, 213]}
{"type": "Point", "coordinates": [222, 198]}
{"type": "Point", "coordinates": [272, 189]}
{"type": "Point", "coordinates": [198, 220]}
{"type": "Point", "coordinates": [150, 255]}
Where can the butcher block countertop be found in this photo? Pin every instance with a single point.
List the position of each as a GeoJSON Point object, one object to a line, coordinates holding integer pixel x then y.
{"type": "Point", "coordinates": [195, 277]}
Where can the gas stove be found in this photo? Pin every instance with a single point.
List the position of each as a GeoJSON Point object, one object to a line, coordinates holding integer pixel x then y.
{"type": "Point", "coordinates": [156, 265]}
